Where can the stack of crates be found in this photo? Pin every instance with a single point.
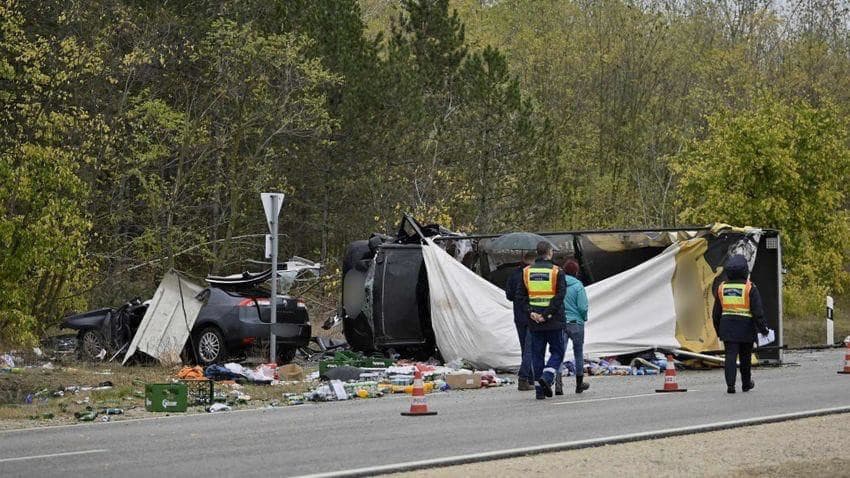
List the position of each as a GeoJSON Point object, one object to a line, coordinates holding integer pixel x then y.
{"type": "Point", "coordinates": [353, 359]}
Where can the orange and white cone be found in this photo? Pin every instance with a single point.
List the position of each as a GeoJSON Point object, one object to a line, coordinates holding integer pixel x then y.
{"type": "Point", "coordinates": [670, 384]}
{"type": "Point", "coordinates": [846, 360]}
{"type": "Point", "coordinates": [419, 404]}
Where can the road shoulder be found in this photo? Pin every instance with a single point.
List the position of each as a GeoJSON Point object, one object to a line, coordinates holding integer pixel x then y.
{"type": "Point", "coordinates": [805, 447]}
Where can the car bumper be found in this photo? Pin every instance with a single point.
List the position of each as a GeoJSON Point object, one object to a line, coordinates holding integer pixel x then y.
{"type": "Point", "coordinates": [287, 334]}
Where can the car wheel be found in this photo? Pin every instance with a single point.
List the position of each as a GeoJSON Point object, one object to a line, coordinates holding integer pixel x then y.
{"type": "Point", "coordinates": [286, 355]}
{"type": "Point", "coordinates": [209, 346]}
{"type": "Point", "coordinates": [90, 343]}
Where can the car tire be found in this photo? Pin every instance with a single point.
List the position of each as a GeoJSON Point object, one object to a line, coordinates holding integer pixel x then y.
{"type": "Point", "coordinates": [286, 355]}
{"type": "Point", "coordinates": [90, 342]}
{"type": "Point", "coordinates": [209, 346]}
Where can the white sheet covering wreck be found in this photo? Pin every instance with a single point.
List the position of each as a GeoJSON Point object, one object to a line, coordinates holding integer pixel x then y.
{"type": "Point", "coordinates": [165, 327]}
{"type": "Point", "coordinates": [472, 319]}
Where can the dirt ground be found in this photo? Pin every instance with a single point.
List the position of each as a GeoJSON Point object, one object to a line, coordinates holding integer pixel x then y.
{"type": "Point", "coordinates": [125, 390]}
{"type": "Point", "coordinates": [813, 447]}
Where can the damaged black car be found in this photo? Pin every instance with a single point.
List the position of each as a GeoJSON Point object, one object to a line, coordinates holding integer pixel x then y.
{"type": "Point", "coordinates": [233, 321]}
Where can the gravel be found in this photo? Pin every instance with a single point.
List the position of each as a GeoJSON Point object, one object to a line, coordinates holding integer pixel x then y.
{"type": "Point", "coordinates": [815, 447]}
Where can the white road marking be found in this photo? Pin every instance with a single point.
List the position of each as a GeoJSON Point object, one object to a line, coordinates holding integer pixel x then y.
{"type": "Point", "coordinates": [52, 455]}
{"type": "Point", "coordinates": [605, 399]}
{"type": "Point", "coordinates": [573, 445]}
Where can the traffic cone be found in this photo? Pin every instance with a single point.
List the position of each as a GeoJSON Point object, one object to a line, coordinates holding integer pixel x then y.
{"type": "Point", "coordinates": [670, 384]}
{"type": "Point", "coordinates": [846, 361]}
{"type": "Point", "coordinates": [419, 405]}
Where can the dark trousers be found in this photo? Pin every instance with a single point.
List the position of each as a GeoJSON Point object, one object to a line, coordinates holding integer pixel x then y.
{"type": "Point", "coordinates": [539, 340]}
{"type": "Point", "coordinates": [743, 351]}
{"type": "Point", "coordinates": [524, 345]}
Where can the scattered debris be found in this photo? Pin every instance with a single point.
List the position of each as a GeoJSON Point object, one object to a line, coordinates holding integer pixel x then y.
{"type": "Point", "coordinates": [238, 397]}
{"type": "Point", "coordinates": [191, 373]}
{"type": "Point", "coordinates": [291, 373]}
{"type": "Point", "coordinates": [218, 407]}
{"type": "Point", "coordinates": [8, 361]}
{"type": "Point", "coordinates": [89, 415]}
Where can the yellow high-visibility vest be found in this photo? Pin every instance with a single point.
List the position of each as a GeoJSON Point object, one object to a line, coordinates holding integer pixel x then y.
{"type": "Point", "coordinates": [542, 284]}
{"type": "Point", "coordinates": [735, 298]}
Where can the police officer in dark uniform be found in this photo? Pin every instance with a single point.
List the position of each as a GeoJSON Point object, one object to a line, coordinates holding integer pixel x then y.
{"type": "Point", "coordinates": [738, 315]}
{"type": "Point", "coordinates": [541, 294]}
{"type": "Point", "coordinates": [525, 379]}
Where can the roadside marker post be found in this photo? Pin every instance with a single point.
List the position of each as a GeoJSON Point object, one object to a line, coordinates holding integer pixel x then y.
{"type": "Point", "coordinates": [830, 323]}
{"type": "Point", "coordinates": [271, 206]}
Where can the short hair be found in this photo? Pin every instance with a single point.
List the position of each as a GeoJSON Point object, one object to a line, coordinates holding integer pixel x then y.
{"type": "Point", "coordinates": [528, 257]}
{"type": "Point", "coordinates": [544, 248]}
{"type": "Point", "coordinates": [571, 267]}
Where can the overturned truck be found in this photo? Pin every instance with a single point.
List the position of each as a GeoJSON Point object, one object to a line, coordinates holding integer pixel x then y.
{"type": "Point", "coordinates": [387, 304]}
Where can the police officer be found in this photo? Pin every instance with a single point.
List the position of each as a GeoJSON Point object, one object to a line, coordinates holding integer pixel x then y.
{"type": "Point", "coordinates": [525, 379]}
{"type": "Point", "coordinates": [737, 316]}
{"type": "Point", "coordinates": [542, 296]}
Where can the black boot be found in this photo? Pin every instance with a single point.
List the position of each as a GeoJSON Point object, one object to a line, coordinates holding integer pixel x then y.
{"type": "Point", "coordinates": [524, 385]}
{"type": "Point", "coordinates": [559, 384]}
{"type": "Point", "coordinates": [545, 383]}
{"type": "Point", "coordinates": [580, 385]}
{"type": "Point", "coordinates": [749, 386]}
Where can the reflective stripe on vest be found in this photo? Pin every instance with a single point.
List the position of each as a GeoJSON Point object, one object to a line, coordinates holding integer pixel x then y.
{"type": "Point", "coordinates": [735, 298]}
{"type": "Point", "coordinates": [541, 283]}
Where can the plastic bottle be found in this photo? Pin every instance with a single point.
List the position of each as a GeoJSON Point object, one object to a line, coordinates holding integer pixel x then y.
{"type": "Point", "coordinates": [87, 416]}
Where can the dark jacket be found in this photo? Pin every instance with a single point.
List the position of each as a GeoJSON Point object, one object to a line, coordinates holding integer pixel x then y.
{"type": "Point", "coordinates": [554, 313]}
{"type": "Point", "coordinates": [737, 328]}
{"type": "Point", "coordinates": [514, 282]}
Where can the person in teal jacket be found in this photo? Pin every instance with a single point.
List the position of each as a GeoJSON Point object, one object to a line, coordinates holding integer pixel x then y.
{"type": "Point", "coordinates": [576, 307]}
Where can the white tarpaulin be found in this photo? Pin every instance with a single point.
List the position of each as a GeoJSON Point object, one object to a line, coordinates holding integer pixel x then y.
{"type": "Point", "coordinates": [473, 320]}
{"type": "Point", "coordinates": [165, 327]}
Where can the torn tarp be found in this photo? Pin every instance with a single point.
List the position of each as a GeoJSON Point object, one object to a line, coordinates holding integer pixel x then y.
{"type": "Point", "coordinates": [168, 319]}
{"type": "Point", "coordinates": [472, 320]}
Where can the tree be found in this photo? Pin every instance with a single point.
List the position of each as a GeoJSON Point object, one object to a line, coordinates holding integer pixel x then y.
{"type": "Point", "coordinates": [507, 167]}
{"type": "Point", "coordinates": [44, 140]}
{"type": "Point", "coordinates": [778, 164]}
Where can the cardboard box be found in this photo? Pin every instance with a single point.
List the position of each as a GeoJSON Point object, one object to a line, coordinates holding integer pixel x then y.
{"type": "Point", "coordinates": [291, 373]}
{"type": "Point", "coordinates": [463, 380]}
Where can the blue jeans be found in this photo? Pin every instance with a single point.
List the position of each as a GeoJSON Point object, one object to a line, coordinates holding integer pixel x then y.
{"type": "Point", "coordinates": [575, 332]}
{"type": "Point", "coordinates": [539, 340]}
{"type": "Point", "coordinates": [524, 345]}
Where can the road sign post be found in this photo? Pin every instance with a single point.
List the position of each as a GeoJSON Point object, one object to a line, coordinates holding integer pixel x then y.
{"type": "Point", "coordinates": [271, 205]}
{"type": "Point", "coordinates": [830, 324]}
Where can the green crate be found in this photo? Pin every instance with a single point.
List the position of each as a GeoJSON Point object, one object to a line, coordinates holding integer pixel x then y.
{"type": "Point", "coordinates": [374, 362]}
{"type": "Point", "coordinates": [166, 397]}
{"type": "Point", "coordinates": [326, 365]}
{"type": "Point", "coordinates": [353, 361]}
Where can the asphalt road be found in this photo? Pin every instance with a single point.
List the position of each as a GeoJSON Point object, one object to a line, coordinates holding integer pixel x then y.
{"type": "Point", "coordinates": [330, 437]}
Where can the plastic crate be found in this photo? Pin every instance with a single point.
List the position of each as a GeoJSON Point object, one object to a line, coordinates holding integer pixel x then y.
{"type": "Point", "coordinates": [165, 397]}
{"type": "Point", "coordinates": [200, 392]}
{"type": "Point", "coordinates": [374, 362]}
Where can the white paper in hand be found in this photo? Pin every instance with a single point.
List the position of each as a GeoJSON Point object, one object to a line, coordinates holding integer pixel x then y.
{"type": "Point", "coordinates": [766, 339]}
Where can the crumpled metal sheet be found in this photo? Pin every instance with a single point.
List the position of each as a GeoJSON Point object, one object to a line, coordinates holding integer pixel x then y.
{"type": "Point", "coordinates": [168, 320]}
